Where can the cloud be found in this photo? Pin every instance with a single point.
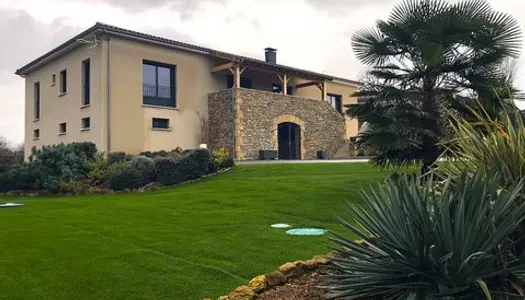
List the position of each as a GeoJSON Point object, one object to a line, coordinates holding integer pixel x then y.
{"type": "Point", "coordinates": [24, 39]}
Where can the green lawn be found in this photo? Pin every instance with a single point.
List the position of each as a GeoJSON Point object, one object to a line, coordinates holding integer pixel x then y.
{"type": "Point", "coordinates": [198, 240]}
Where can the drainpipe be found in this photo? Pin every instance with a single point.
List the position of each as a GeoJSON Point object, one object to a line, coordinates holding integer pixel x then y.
{"type": "Point", "coordinates": [108, 90]}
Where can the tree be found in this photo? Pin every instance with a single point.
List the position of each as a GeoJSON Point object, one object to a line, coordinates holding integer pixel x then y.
{"type": "Point", "coordinates": [428, 57]}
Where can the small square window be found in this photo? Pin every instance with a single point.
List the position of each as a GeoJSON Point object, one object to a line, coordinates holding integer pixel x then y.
{"type": "Point", "coordinates": [86, 123]}
{"type": "Point", "coordinates": [36, 133]}
{"type": "Point", "coordinates": [62, 128]}
{"type": "Point", "coordinates": [161, 123]}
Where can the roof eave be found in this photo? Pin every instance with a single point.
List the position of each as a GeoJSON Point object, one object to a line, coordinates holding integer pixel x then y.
{"type": "Point", "coordinates": [56, 52]}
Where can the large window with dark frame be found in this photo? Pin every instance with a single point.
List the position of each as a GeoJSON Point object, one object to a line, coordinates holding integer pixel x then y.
{"type": "Point", "coordinates": [37, 101]}
{"type": "Point", "coordinates": [85, 82]}
{"type": "Point", "coordinates": [335, 102]}
{"type": "Point", "coordinates": [158, 84]}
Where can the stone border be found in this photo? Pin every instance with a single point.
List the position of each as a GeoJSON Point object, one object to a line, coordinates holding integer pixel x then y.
{"type": "Point", "coordinates": [279, 277]}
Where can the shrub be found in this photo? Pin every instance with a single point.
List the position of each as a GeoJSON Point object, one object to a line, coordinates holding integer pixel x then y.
{"type": "Point", "coordinates": [89, 149]}
{"type": "Point", "coordinates": [74, 187]}
{"type": "Point", "coordinates": [145, 166]}
{"type": "Point", "coordinates": [166, 171]}
{"type": "Point", "coordinates": [22, 176]}
{"type": "Point", "coordinates": [115, 157]}
{"type": "Point", "coordinates": [59, 163]}
{"type": "Point", "coordinates": [222, 159]}
{"type": "Point", "coordinates": [97, 168]}
{"type": "Point", "coordinates": [123, 177]}
{"type": "Point", "coordinates": [203, 161]}
{"type": "Point", "coordinates": [489, 146]}
{"type": "Point", "coordinates": [424, 244]}
{"type": "Point", "coordinates": [190, 168]}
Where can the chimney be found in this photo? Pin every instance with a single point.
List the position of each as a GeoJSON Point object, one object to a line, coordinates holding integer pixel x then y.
{"type": "Point", "coordinates": [270, 55]}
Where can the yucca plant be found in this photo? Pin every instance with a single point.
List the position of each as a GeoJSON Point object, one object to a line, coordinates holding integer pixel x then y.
{"type": "Point", "coordinates": [421, 243]}
{"type": "Point", "coordinates": [486, 144]}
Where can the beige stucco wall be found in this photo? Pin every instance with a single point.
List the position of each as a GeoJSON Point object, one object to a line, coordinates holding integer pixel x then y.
{"type": "Point", "coordinates": [56, 108]}
{"type": "Point", "coordinates": [131, 121]}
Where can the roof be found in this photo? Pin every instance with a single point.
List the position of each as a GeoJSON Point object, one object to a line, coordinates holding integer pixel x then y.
{"type": "Point", "coordinates": [100, 28]}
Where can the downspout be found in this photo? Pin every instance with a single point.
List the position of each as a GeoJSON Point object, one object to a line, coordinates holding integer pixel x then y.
{"type": "Point", "coordinates": [108, 96]}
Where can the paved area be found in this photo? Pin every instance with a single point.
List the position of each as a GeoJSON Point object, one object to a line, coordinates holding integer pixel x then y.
{"type": "Point", "coordinates": [316, 161]}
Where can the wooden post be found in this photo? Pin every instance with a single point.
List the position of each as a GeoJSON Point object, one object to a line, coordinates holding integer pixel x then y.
{"type": "Point", "coordinates": [237, 75]}
{"type": "Point", "coordinates": [285, 84]}
{"type": "Point", "coordinates": [323, 90]}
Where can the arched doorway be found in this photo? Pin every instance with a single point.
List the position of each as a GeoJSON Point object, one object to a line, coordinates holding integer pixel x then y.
{"type": "Point", "coordinates": [289, 140]}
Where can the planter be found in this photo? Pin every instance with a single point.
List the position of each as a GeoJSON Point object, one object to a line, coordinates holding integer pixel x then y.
{"type": "Point", "coordinates": [267, 154]}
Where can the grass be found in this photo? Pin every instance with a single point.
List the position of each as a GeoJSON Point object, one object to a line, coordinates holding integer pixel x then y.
{"type": "Point", "coordinates": [198, 240]}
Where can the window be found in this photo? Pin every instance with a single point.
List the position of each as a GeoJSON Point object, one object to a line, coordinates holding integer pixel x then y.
{"type": "Point", "coordinates": [36, 101]}
{"type": "Point", "coordinates": [36, 134]}
{"type": "Point", "coordinates": [158, 84]}
{"type": "Point", "coordinates": [245, 82]}
{"type": "Point", "coordinates": [62, 128]}
{"type": "Point", "coordinates": [161, 123]}
{"type": "Point", "coordinates": [86, 123]}
{"type": "Point", "coordinates": [63, 81]}
{"type": "Point", "coordinates": [85, 82]}
{"type": "Point", "coordinates": [278, 88]}
{"type": "Point", "coordinates": [335, 102]}
{"type": "Point", "coordinates": [53, 80]}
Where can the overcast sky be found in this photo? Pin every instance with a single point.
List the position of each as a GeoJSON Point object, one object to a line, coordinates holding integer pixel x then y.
{"type": "Point", "coordinates": [309, 34]}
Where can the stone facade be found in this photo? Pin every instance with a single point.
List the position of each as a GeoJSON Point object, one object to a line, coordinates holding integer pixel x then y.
{"type": "Point", "coordinates": [221, 120]}
{"type": "Point", "coordinates": [253, 116]}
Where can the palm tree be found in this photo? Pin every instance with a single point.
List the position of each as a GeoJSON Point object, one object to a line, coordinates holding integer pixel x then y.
{"type": "Point", "coordinates": [427, 57]}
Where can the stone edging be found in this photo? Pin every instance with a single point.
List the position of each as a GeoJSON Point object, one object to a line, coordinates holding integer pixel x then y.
{"type": "Point", "coordinates": [288, 271]}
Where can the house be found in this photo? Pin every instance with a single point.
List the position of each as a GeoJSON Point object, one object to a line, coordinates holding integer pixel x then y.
{"type": "Point", "coordinates": [133, 92]}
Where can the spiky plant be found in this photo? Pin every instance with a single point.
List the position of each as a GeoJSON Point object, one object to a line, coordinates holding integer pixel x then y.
{"type": "Point", "coordinates": [425, 244]}
{"type": "Point", "coordinates": [429, 54]}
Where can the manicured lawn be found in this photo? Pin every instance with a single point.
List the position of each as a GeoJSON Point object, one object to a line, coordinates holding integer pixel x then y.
{"type": "Point", "coordinates": [197, 240]}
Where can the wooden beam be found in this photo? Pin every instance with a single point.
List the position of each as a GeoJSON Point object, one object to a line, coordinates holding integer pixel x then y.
{"type": "Point", "coordinates": [242, 70]}
{"type": "Point", "coordinates": [306, 84]}
{"type": "Point", "coordinates": [280, 78]}
{"type": "Point", "coordinates": [222, 67]}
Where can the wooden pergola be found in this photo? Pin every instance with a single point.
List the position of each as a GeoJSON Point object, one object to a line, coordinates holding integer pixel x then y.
{"type": "Point", "coordinates": [236, 65]}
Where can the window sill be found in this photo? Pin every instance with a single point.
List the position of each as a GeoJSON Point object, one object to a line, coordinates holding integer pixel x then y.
{"type": "Point", "coordinates": [62, 133]}
{"type": "Point", "coordinates": [36, 138]}
{"type": "Point", "coordinates": [159, 107]}
{"type": "Point", "coordinates": [36, 120]}
{"type": "Point", "coordinates": [85, 106]}
{"type": "Point", "coordinates": [62, 94]}
{"type": "Point", "coordinates": [85, 129]}
{"type": "Point", "coordinates": [162, 129]}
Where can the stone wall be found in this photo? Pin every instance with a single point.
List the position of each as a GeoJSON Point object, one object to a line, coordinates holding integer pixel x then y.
{"type": "Point", "coordinates": [221, 120]}
{"type": "Point", "coordinates": [322, 127]}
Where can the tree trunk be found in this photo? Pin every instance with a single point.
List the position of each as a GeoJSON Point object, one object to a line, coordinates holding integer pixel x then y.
{"type": "Point", "coordinates": [431, 150]}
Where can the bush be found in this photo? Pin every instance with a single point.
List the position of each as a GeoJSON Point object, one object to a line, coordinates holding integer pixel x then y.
{"type": "Point", "coordinates": [145, 166]}
{"type": "Point", "coordinates": [424, 244]}
{"type": "Point", "coordinates": [59, 163]}
{"type": "Point", "coordinates": [166, 171]}
{"type": "Point", "coordinates": [88, 149]}
{"type": "Point", "coordinates": [22, 177]}
{"type": "Point", "coordinates": [202, 159]}
{"type": "Point", "coordinates": [9, 155]}
{"type": "Point", "coordinates": [74, 187]}
{"type": "Point", "coordinates": [123, 177]}
{"type": "Point", "coordinates": [222, 159]}
{"type": "Point", "coordinates": [97, 168]}
{"type": "Point", "coordinates": [115, 157]}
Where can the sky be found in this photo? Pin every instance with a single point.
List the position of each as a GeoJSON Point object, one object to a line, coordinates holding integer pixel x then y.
{"type": "Point", "coordinates": [309, 34]}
